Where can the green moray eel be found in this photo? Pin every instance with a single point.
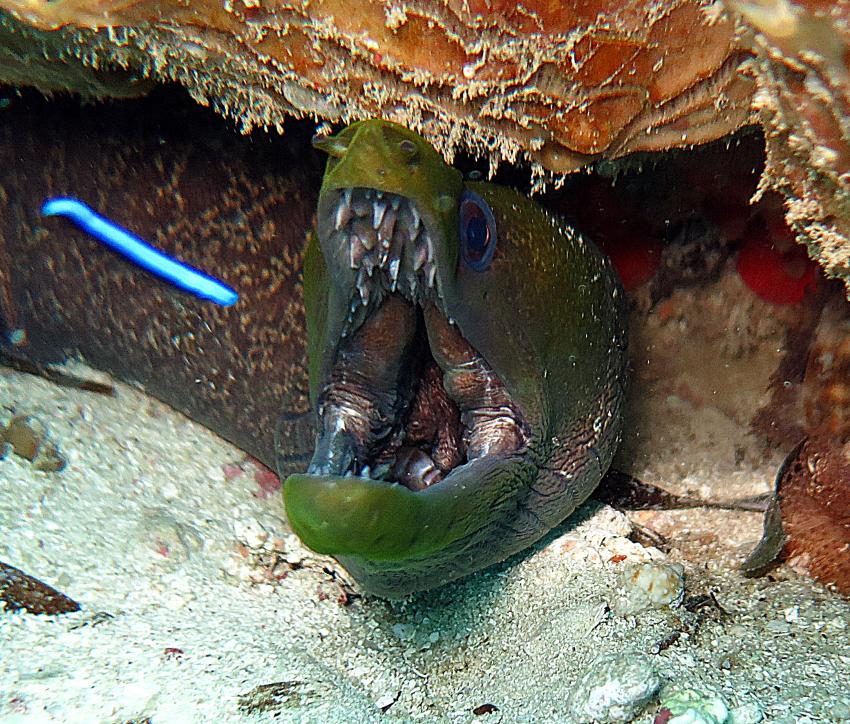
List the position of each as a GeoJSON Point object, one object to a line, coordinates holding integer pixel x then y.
{"type": "Point", "coordinates": [416, 275]}
{"type": "Point", "coordinates": [439, 387]}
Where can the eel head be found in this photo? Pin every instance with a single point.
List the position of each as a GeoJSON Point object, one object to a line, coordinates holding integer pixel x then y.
{"type": "Point", "coordinates": [466, 355]}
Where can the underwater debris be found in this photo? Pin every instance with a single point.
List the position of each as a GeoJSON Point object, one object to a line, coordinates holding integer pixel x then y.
{"type": "Point", "coordinates": [70, 373]}
{"type": "Point", "coordinates": [139, 252]}
{"type": "Point", "coordinates": [483, 709]}
{"type": "Point", "coordinates": [20, 591]}
{"type": "Point", "coordinates": [615, 687]}
{"type": "Point", "coordinates": [27, 437]}
{"type": "Point", "coordinates": [276, 697]}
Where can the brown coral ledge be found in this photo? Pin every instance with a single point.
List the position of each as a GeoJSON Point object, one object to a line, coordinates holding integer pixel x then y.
{"type": "Point", "coordinates": [554, 84]}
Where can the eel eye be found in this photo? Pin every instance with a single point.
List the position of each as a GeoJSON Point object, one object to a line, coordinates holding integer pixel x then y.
{"type": "Point", "coordinates": [477, 232]}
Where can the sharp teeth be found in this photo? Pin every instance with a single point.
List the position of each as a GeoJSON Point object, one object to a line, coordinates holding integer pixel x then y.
{"type": "Point", "coordinates": [414, 227]}
{"type": "Point", "coordinates": [395, 202]}
{"type": "Point", "coordinates": [363, 286]}
{"type": "Point", "coordinates": [351, 241]}
{"type": "Point", "coordinates": [369, 263]}
{"type": "Point", "coordinates": [356, 250]}
{"type": "Point", "coordinates": [394, 265]}
{"type": "Point", "coordinates": [367, 234]}
{"type": "Point", "coordinates": [379, 195]}
{"type": "Point", "coordinates": [378, 211]}
{"type": "Point", "coordinates": [429, 244]}
{"type": "Point", "coordinates": [343, 212]}
{"type": "Point", "coordinates": [366, 472]}
{"type": "Point", "coordinates": [385, 232]}
{"type": "Point", "coordinates": [430, 273]}
{"type": "Point", "coordinates": [419, 257]}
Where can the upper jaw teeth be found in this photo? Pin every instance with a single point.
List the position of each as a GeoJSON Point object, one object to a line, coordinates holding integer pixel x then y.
{"type": "Point", "coordinates": [378, 211]}
{"type": "Point", "coordinates": [384, 232]}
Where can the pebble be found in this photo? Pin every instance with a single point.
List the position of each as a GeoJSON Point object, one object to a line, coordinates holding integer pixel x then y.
{"type": "Point", "coordinates": [27, 437]}
{"type": "Point", "coordinates": [614, 688]}
{"type": "Point", "coordinates": [649, 585]}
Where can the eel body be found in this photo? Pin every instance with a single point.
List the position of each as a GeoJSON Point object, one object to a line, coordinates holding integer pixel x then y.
{"type": "Point", "coordinates": [443, 382]}
{"type": "Point", "coordinates": [237, 208]}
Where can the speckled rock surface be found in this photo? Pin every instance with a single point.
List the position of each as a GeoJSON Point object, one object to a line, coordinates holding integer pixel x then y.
{"type": "Point", "coordinates": [614, 688]}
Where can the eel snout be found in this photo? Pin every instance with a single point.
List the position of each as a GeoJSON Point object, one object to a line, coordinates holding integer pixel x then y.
{"type": "Point", "coordinates": [408, 399]}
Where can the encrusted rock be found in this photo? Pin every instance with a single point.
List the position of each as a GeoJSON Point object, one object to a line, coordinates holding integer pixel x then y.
{"type": "Point", "coordinates": [614, 688]}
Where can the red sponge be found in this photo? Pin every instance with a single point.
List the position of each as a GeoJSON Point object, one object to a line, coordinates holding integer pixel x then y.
{"type": "Point", "coordinates": [775, 267]}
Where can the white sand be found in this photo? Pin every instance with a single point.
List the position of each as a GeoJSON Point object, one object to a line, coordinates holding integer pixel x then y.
{"type": "Point", "coordinates": [142, 525]}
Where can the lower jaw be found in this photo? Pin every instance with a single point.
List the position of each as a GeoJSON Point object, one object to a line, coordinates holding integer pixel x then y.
{"type": "Point", "coordinates": [395, 542]}
{"type": "Point", "coordinates": [383, 521]}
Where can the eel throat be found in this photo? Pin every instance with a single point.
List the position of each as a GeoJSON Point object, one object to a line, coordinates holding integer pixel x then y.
{"type": "Point", "coordinates": [408, 399]}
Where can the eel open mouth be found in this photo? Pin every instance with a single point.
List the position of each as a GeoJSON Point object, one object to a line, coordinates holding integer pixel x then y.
{"type": "Point", "coordinates": [408, 399]}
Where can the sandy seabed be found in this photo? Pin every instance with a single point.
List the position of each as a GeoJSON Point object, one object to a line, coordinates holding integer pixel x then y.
{"type": "Point", "coordinates": [199, 605]}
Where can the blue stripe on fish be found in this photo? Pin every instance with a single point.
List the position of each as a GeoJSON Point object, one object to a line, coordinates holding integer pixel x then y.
{"type": "Point", "coordinates": [140, 252]}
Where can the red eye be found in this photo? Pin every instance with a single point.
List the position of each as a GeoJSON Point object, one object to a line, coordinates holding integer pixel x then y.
{"type": "Point", "coordinates": [477, 232]}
